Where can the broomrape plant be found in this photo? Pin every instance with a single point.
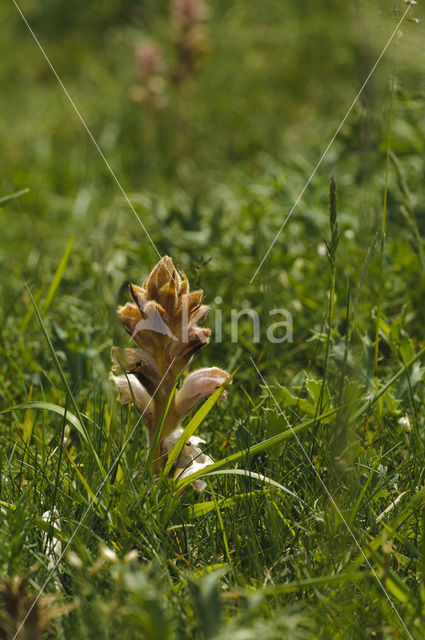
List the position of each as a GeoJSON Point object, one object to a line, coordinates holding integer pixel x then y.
{"type": "Point", "coordinates": [163, 321]}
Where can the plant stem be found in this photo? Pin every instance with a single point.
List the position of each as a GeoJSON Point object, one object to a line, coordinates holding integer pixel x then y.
{"type": "Point", "coordinates": [382, 248]}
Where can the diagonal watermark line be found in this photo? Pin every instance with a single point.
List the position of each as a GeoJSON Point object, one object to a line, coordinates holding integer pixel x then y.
{"type": "Point", "coordinates": [322, 157]}
{"type": "Point", "coordinates": [83, 122]}
{"type": "Point", "coordinates": [338, 510]}
{"type": "Point", "coordinates": [93, 500]}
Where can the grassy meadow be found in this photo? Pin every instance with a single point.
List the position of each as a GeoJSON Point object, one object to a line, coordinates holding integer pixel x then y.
{"type": "Point", "coordinates": [150, 136]}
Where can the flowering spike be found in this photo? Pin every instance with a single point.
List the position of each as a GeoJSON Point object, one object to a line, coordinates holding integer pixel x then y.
{"type": "Point", "coordinates": [163, 321]}
{"type": "Point", "coordinates": [150, 89]}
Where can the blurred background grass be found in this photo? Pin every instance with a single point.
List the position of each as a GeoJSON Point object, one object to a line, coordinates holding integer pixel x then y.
{"type": "Point", "coordinates": [215, 172]}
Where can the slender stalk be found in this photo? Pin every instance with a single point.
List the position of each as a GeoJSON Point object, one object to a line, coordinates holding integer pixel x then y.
{"type": "Point", "coordinates": [382, 248]}
{"type": "Point", "coordinates": [331, 247]}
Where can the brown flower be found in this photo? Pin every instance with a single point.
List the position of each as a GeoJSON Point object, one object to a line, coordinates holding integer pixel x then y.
{"type": "Point", "coordinates": [190, 37]}
{"type": "Point", "coordinates": [150, 73]}
{"type": "Point", "coordinates": [22, 613]}
{"type": "Point", "coordinates": [163, 321]}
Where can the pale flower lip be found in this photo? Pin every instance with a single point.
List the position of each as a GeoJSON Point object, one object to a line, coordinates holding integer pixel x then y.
{"type": "Point", "coordinates": [195, 466]}
{"type": "Point", "coordinates": [197, 386]}
{"type": "Point", "coordinates": [129, 386]}
{"type": "Point", "coordinates": [191, 458]}
{"type": "Point", "coordinates": [54, 545]}
{"type": "Point", "coordinates": [405, 422]}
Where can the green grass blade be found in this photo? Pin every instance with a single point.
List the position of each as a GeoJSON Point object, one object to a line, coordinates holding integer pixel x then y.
{"type": "Point", "coordinates": [221, 525]}
{"type": "Point", "coordinates": [390, 528]}
{"type": "Point", "coordinates": [202, 508]}
{"type": "Point", "coordinates": [369, 403]}
{"type": "Point", "coordinates": [54, 285]}
{"type": "Point", "coordinates": [255, 476]}
{"type": "Point", "coordinates": [194, 423]}
{"type": "Point", "coordinates": [382, 250]}
{"type": "Point", "coordinates": [30, 311]}
{"type": "Point", "coordinates": [319, 581]}
{"type": "Point", "coordinates": [13, 196]}
{"type": "Point", "coordinates": [49, 406]}
{"type": "Point", "coordinates": [7, 505]}
{"type": "Point", "coordinates": [40, 522]}
{"type": "Point", "coordinates": [288, 433]}
{"type": "Point", "coordinates": [261, 446]}
{"type": "Point", "coordinates": [66, 385]}
{"type": "Point", "coordinates": [359, 500]}
{"type": "Point", "coordinates": [57, 278]}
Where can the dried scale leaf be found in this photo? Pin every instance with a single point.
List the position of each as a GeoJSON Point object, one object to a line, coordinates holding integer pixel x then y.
{"type": "Point", "coordinates": [24, 612]}
{"type": "Point", "coordinates": [163, 321]}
